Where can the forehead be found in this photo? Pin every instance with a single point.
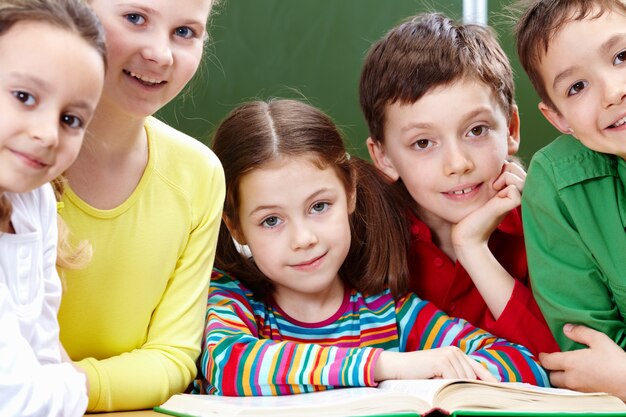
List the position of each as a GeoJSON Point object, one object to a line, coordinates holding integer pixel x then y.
{"type": "Point", "coordinates": [58, 61]}
{"type": "Point", "coordinates": [196, 10]}
{"type": "Point", "coordinates": [294, 178]}
{"type": "Point", "coordinates": [578, 44]}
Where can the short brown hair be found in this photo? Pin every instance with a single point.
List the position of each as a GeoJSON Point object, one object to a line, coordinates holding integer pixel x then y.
{"type": "Point", "coordinates": [541, 20]}
{"type": "Point", "coordinates": [258, 133]}
{"type": "Point", "coordinates": [427, 51]}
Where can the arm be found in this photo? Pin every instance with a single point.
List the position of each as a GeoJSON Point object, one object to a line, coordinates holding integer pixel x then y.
{"type": "Point", "coordinates": [236, 361]}
{"type": "Point", "coordinates": [422, 326]}
{"type": "Point", "coordinates": [567, 282]}
{"type": "Point", "coordinates": [470, 238]}
{"type": "Point", "coordinates": [166, 362]}
{"type": "Point", "coordinates": [599, 367]}
{"type": "Point", "coordinates": [32, 375]}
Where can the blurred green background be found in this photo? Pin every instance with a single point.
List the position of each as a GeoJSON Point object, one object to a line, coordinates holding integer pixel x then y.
{"type": "Point", "coordinates": [313, 50]}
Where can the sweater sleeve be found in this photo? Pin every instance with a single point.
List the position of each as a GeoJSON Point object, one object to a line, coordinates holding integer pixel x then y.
{"type": "Point", "coordinates": [423, 326]}
{"type": "Point", "coordinates": [522, 322]}
{"type": "Point", "coordinates": [235, 361]}
{"type": "Point", "coordinates": [166, 363]}
{"type": "Point", "coordinates": [33, 380]}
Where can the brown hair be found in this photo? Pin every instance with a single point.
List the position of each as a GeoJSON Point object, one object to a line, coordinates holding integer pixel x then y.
{"type": "Point", "coordinates": [257, 133]}
{"type": "Point", "coordinates": [77, 17]}
{"type": "Point", "coordinates": [427, 51]}
{"type": "Point", "coordinates": [541, 20]}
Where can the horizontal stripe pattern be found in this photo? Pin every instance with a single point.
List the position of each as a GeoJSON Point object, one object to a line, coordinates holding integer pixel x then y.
{"type": "Point", "coordinates": [251, 348]}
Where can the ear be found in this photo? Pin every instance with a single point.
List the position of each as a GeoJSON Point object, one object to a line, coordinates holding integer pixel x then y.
{"type": "Point", "coordinates": [513, 139]}
{"type": "Point", "coordinates": [555, 118]}
{"type": "Point", "coordinates": [234, 231]}
{"type": "Point", "coordinates": [380, 159]}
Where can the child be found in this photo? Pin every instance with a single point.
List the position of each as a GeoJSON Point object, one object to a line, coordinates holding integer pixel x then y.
{"type": "Point", "coordinates": [310, 309]}
{"type": "Point", "coordinates": [438, 100]}
{"type": "Point", "coordinates": [149, 199]}
{"type": "Point", "coordinates": [51, 76]}
{"type": "Point", "coordinates": [574, 206]}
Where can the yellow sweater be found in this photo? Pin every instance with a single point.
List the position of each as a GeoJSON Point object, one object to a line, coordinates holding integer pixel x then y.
{"type": "Point", "coordinates": [133, 319]}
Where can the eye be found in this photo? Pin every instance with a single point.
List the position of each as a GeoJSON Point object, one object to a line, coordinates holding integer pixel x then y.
{"type": "Point", "coordinates": [73, 122]}
{"type": "Point", "coordinates": [26, 98]}
{"type": "Point", "coordinates": [478, 131]}
{"type": "Point", "coordinates": [423, 144]}
{"type": "Point", "coordinates": [271, 222]}
{"type": "Point", "coordinates": [320, 207]}
{"type": "Point", "coordinates": [577, 88]}
{"type": "Point", "coordinates": [135, 18]}
{"type": "Point", "coordinates": [620, 58]}
{"type": "Point", "coordinates": [185, 32]}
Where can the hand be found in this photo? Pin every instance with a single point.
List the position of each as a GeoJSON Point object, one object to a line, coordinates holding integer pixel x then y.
{"type": "Point", "coordinates": [476, 227]}
{"type": "Point", "coordinates": [600, 367]}
{"type": "Point", "coordinates": [447, 362]}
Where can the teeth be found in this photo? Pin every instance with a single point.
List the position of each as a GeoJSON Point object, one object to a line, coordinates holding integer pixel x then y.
{"type": "Point", "coordinates": [619, 122]}
{"type": "Point", "coordinates": [464, 191]}
{"type": "Point", "coordinates": [145, 79]}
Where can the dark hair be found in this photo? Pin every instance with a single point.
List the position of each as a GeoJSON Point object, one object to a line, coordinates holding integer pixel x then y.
{"type": "Point", "coordinates": [427, 51]}
{"type": "Point", "coordinates": [257, 133]}
{"type": "Point", "coordinates": [77, 17]}
{"type": "Point", "coordinates": [541, 20]}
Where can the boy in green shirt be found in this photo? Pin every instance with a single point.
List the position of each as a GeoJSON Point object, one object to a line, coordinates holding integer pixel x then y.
{"type": "Point", "coordinates": [574, 202]}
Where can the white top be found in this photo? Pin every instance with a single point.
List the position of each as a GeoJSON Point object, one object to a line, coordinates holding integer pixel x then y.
{"type": "Point", "coordinates": [33, 380]}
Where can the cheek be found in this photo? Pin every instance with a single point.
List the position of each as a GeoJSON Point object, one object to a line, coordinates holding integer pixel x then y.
{"type": "Point", "coordinates": [188, 64]}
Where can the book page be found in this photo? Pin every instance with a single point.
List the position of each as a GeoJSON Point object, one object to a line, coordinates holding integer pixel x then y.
{"type": "Point", "coordinates": [338, 402]}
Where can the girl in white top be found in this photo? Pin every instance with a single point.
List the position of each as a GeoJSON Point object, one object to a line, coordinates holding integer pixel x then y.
{"type": "Point", "coordinates": [51, 77]}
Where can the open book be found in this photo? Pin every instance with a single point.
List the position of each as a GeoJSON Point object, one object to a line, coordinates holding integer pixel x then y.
{"type": "Point", "coordinates": [421, 397]}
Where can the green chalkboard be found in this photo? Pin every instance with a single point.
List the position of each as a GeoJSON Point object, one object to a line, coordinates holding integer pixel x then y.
{"type": "Point", "coordinates": [313, 50]}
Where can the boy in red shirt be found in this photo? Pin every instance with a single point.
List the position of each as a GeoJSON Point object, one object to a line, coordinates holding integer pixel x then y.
{"type": "Point", "coordinates": [438, 100]}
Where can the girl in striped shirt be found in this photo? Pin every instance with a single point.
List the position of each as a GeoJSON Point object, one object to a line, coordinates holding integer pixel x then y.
{"type": "Point", "coordinates": [311, 236]}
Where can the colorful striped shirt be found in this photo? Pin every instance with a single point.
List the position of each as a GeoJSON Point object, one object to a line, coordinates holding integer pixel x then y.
{"type": "Point", "coordinates": [254, 348]}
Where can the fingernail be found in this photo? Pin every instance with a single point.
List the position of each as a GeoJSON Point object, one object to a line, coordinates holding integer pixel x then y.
{"type": "Point", "coordinates": [568, 327]}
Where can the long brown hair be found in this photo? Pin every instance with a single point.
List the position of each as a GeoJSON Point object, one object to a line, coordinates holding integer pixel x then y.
{"type": "Point", "coordinates": [259, 132]}
{"type": "Point", "coordinates": [77, 17]}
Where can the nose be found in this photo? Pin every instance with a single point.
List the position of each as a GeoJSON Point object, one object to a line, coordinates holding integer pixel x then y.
{"type": "Point", "coordinates": [614, 91]}
{"type": "Point", "coordinates": [45, 130]}
{"type": "Point", "coordinates": [159, 50]}
{"type": "Point", "coordinates": [302, 235]}
{"type": "Point", "coordinates": [457, 160]}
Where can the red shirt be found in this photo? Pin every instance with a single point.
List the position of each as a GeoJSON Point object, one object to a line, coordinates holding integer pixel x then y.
{"type": "Point", "coordinates": [434, 277]}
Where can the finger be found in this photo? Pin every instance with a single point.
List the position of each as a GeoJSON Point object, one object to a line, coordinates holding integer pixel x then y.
{"type": "Point", "coordinates": [508, 178]}
{"type": "Point", "coordinates": [557, 379]}
{"type": "Point", "coordinates": [516, 169]}
{"type": "Point", "coordinates": [481, 372]}
{"type": "Point", "coordinates": [553, 361]}
{"type": "Point", "coordinates": [512, 193]}
{"type": "Point", "coordinates": [583, 334]}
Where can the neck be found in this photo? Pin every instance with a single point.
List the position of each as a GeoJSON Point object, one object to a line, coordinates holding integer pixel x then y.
{"type": "Point", "coordinates": [311, 307]}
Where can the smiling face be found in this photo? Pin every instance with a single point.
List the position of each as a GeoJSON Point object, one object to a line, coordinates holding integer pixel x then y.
{"type": "Point", "coordinates": [448, 148]}
{"type": "Point", "coordinates": [154, 48]}
{"type": "Point", "coordinates": [294, 218]}
{"type": "Point", "coordinates": [584, 71]}
{"type": "Point", "coordinates": [50, 84]}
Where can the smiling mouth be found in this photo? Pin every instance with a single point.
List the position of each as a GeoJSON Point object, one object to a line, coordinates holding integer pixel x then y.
{"type": "Point", "coordinates": [309, 262]}
{"type": "Point", "coordinates": [463, 191]}
{"type": "Point", "coordinates": [147, 81]}
{"type": "Point", "coordinates": [619, 123]}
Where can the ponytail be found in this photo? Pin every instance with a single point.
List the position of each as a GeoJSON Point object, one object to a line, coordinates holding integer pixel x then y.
{"type": "Point", "coordinates": [380, 234]}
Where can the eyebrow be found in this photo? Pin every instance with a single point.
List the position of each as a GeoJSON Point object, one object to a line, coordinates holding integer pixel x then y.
{"type": "Point", "coordinates": [39, 83]}
{"type": "Point", "coordinates": [274, 206]}
{"type": "Point", "coordinates": [563, 75]}
{"type": "Point", "coordinates": [426, 125]}
{"type": "Point", "coordinates": [611, 42]}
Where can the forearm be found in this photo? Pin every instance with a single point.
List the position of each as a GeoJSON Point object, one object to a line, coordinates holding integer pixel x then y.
{"type": "Point", "coordinates": [245, 366]}
{"type": "Point", "coordinates": [493, 282]}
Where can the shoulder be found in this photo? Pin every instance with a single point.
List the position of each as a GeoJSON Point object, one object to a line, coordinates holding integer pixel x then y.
{"type": "Point", "coordinates": [176, 147]}
{"type": "Point", "coordinates": [186, 165]}
{"type": "Point", "coordinates": [566, 162]}
{"type": "Point", "coordinates": [38, 204]}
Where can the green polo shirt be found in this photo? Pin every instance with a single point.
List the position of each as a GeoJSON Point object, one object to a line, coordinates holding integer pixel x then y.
{"type": "Point", "coordinates": [574, 216]}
